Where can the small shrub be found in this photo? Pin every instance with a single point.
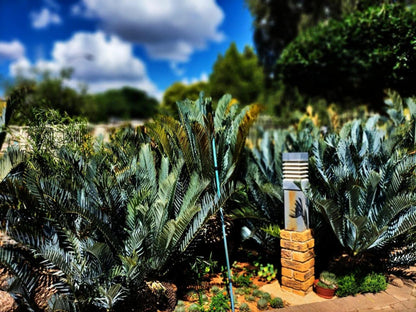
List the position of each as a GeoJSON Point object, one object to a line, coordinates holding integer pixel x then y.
{"type": "Point", "coordinates": [373, 283]}
{"type": "Point", "coordinates": [242, 280]}
{"type": "Point", "coordinates": [347, 286]}
{"type": "Point", "coordinates": [247, 290]}
{"type": "Point", "coordinates": [239, 291]}
{"type": "Point", "coordinates": [215, 290]}
{"type": "Point", "coordinates": [266, 272]}
{"type": "Point", "coordinates": [244, 307]}
{"type": "Point", "coordinates": [262, 304]}
{"type": "Point", "coordinates": [266, 295]}
{"type": "Point", "coordinates": [276, 303]}
{"type": "Point", "coordinates": [220, 302]}
{"type": "Point", "coordinates": [257, 293]}
{"type": "Point", "coordinates": [250, 298]}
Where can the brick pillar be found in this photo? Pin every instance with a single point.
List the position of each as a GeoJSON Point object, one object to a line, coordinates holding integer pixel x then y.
{"type": "Point", "coordinates": [298, 261]}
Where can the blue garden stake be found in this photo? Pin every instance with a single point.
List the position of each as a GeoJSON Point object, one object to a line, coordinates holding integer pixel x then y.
{"type": "Point", "coordinates": [217, 179]}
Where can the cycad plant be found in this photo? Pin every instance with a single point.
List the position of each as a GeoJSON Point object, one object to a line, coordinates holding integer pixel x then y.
{"type": "Point", "coordinates": [191, 137]}
{"type": "Point", "coordinates": [402, 120]}
{"type": "Point", "coordinates": [264, 178]}
{"type": "Point", "coordinates": [362, 186]}
{"type": "Point", "coordinates": [99, 222]}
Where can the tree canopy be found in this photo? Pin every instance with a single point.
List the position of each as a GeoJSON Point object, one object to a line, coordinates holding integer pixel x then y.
{"type": "Point", "coordinates": [52, 92]}
{"type": "Point", "coordinates": [125, 103]}
{"type": "Point", "coordinates": [178, 92]}
{"type": "Point", "coordinates": [357, 57]}
{"type": "Point", "coordinates": [276, 23]}
{"type": "Point", "coordinates": [237, 73]}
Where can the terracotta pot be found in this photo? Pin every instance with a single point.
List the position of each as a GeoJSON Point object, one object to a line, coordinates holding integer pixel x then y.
{"type": "Point", "coordinates": [324, 292]}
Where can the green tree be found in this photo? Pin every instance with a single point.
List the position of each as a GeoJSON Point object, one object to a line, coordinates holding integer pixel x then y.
{"type": "Point", "coordinates": [125, 103]}
{"type": "Point", "coordinates": [276, 23]}
{"type": "Point", "coordinates": [355, 58]}
{"type": "Point", "coordinates": [237, 73]}
{"type": "Point", "coordinates": [178, 92]}
{"type": "Point", "coordinates": [47, 92]}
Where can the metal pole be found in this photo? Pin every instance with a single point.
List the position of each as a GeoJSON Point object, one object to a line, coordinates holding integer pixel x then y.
{"type": "Point", "coordinates": [217, 179]}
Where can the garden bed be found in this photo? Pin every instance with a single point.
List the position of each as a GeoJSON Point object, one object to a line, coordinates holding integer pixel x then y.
{"type": "Point", "coordinates": [247, 295]}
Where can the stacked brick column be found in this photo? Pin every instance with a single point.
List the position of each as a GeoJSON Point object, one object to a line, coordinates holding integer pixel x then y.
{"type": "Point", "coordinates": [298, 260]}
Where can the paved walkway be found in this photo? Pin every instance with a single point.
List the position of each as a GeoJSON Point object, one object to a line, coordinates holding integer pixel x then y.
{"type": "Point", "coordinates": [393, 299]}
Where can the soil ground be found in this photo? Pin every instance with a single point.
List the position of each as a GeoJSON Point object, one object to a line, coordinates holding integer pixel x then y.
{"type": "Point", "coordinates": [274, 289]}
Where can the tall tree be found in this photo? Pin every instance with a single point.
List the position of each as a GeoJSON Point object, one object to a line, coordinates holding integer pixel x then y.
{"type": "Point", "coordinates": [276, 23]}
{"type": "Point", "coordinates": [47, 92]}
{"type": "Point", "coordinates": [355, 58]}
{"type": "Point", "coordinates": [124, 103]}
{"type": "Point", "coordinates": [237, 73]}
{"type": "Point", "coordinates": [178, 92]}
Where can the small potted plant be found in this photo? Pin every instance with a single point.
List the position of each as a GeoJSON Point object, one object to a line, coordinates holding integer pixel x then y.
{"type": "Point", "coordinates": [326, 285]}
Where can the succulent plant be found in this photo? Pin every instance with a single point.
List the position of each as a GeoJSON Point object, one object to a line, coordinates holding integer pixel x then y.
{"type": "Point", "coordinates": [328, 280]}
{"type": "Point", "coordinates": [262, 304]}
{"type": "Point", "coordinates": [244, 307]}
{"type": "Point", "coordinates": [276, 303]}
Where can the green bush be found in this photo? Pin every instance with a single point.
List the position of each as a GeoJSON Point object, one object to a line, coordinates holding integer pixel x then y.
{"type": "Point", "coordinates": [220, 302]}
{"type": "Point", "coordinates": [244, 307]}
{"type": "Point", "coordinates": [373, 283]}
{"type": "Point", "coordinates": [276, 303]}
{"type": "Point", "coordinates": [262, 304]}
{"type": "Point", "coordinates": [267, 272]}
{"type": "Point", "coordinates": [357, 282]}
{"type": "Point", "coordinates": [356, 57]}
{"type": "Point", "coordinates": [242, 280]}
{"type": "Point", "coordinates": [348, 285]}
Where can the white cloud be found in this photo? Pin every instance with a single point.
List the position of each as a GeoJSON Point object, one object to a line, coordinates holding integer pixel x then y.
{"type": "Point", "coordinates": [100, 61]}
{"type": "Point", "coordinates": [169, 30]}
{"type": "Point", "coordinates": [189, 81]}
{"type": "Point", "coordinates": [44, 18]}
{"type": "Point", "coordinates": [11, 50]}
{"type": "Point", "coordinates": [178, 71]}
{"type": "Point", "coordinates": [52, 3]}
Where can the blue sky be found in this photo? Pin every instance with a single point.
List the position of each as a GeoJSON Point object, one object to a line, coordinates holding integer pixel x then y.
{"type": "Point", "coordinates": [147, 44]}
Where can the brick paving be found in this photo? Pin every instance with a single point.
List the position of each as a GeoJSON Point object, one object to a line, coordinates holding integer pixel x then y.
{"type": "Point", "coordinates": [394, 299]}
